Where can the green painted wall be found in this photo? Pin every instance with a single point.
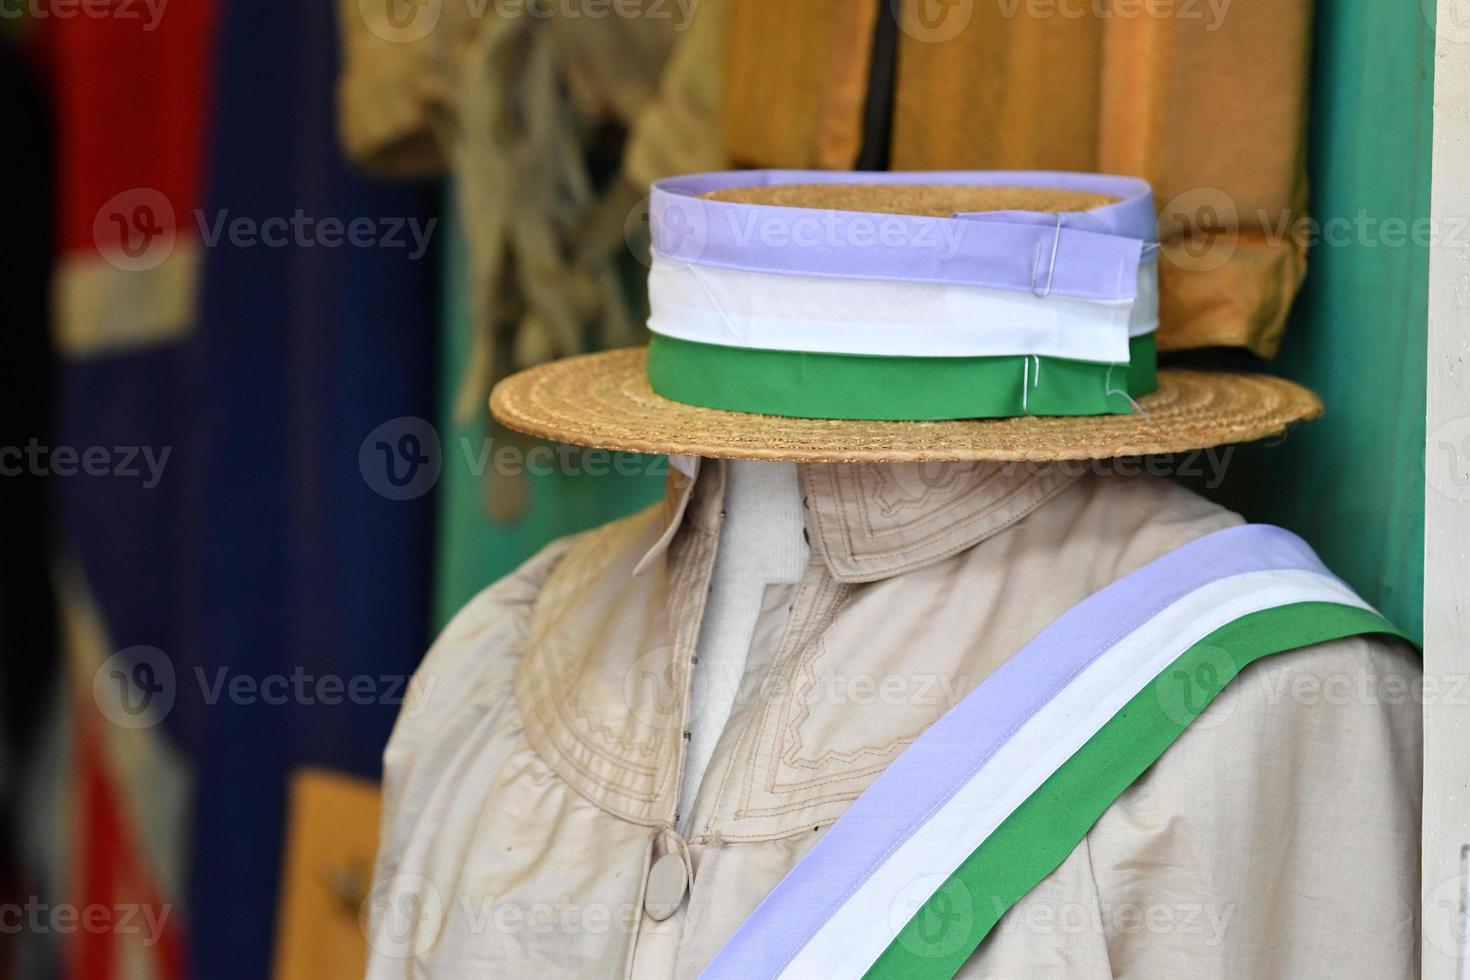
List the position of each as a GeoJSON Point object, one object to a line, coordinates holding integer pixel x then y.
{"type": "Point", "coordinates": [473, 549]}
{"type": "Point", "coordinates": [1353, 483]}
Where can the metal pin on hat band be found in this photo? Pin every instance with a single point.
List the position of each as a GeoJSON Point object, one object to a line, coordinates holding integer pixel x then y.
{"type": "Point", "coordinates": [1051, 271]}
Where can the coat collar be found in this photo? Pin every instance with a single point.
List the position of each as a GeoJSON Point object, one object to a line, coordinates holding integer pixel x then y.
{"type": "Point", "coordinates": [871, 521]}
{"type": "Point", "coordinates": [604, 685]}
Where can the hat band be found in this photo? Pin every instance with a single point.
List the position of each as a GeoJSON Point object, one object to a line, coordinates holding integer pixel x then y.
{"type": "Point", "coordinates": [838, 314]}
{"type": "Point", "coordinates": [806, 384]}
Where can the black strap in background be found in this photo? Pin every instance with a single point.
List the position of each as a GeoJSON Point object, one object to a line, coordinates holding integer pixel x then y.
{"type": "Point", "coordinates": [882, 78]}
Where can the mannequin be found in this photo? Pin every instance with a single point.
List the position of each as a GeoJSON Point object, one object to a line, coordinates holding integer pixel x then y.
{"type": "Point", "coordinates": [761, 544]}
{"type": "Point", "coordinates": [986, 691]}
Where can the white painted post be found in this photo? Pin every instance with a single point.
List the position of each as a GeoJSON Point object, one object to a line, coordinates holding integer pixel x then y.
{"type": "Point", "coordinates": [1447, 513]}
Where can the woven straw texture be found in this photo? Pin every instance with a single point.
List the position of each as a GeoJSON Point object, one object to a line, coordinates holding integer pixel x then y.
{"type": "Point", "coordinates": [934, 200]}
{"type": "Point", "coordinates": [604, 400]}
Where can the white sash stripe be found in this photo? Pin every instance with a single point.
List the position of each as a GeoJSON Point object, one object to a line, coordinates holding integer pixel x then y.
{"type": "Point", "coordinates": [736, 308]}
{"type": "Point", "coordinates": [856, 935]}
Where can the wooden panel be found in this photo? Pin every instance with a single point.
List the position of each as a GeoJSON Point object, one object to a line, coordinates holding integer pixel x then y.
{"type": "Point", "coordinates": [331, 843]}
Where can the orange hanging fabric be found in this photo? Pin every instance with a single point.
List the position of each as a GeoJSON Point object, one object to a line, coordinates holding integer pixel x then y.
{"type": "Point", "coordinates": [1149, 88]}
{"type": "Point", "coordinates": [795, 81]}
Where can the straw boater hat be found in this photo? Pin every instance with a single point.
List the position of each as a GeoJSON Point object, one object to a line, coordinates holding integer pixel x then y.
{"type": "Point", "coordinates": [824, 317]}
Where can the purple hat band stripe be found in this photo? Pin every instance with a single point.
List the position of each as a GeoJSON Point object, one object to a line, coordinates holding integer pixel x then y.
{"type": "Point", "coordinates": [1091, 255]}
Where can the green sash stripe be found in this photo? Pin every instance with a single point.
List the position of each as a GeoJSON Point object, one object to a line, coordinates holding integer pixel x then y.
{"type": "Point", "coordinates": [858, 386]}
{"type": "Point", "coordinates": [1039, 835]}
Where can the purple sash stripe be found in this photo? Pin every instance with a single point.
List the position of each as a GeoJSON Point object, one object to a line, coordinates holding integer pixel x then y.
{"type": "Point", "coordinates": [1097, 253]}
{"type": "Point", "coordinates": [950, 751]}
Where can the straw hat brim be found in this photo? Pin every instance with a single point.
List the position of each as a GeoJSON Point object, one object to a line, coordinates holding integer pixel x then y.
{"type": "Point", "coordinates": [604, 400]}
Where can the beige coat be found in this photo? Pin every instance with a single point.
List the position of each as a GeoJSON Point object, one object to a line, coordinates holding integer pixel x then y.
{"type": "Point", "coordinates": [533, 779]}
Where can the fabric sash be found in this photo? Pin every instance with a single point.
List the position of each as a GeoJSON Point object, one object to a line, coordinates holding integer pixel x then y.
{"type": "Point", "coordinates": [996, 793]}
